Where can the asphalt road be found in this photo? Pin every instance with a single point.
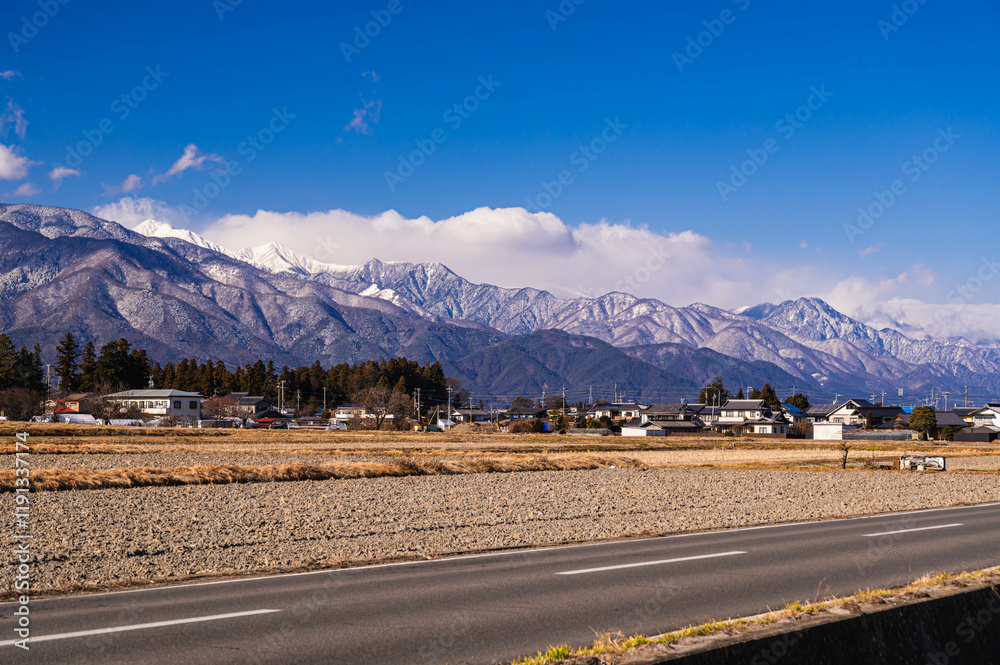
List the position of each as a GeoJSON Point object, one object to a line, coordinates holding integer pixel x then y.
{"type": "Point", "coordinates": [495, 607]}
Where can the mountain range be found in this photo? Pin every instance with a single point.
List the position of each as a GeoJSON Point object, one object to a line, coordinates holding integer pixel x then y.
{"type": "Point", "coordinates": [179, 295]}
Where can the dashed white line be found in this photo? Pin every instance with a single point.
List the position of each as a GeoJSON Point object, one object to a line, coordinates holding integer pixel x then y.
{"type": "Point", "coordinates": [923, 528]}
{"type": "Point", "coordinates": [649, 563]}
{"type": "Point", "coordinates": [138, 626]}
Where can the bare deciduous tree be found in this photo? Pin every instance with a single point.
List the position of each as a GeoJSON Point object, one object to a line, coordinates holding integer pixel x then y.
{"type": "Point", "coordinates": [379, 402]}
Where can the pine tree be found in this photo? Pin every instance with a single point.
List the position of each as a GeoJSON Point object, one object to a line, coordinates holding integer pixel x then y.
{"type": "Point", "coordinates": [770, 397]}
{"type": "Point", "coordinates": [799, 401]}
{"type": "Point", "coordinates": [88, 368]}
{"type": "Point", "coordinates": [715, 393]}
{"type": "Point", "coordinates": [67, 355]}
{"type": "Point", "coordinates": [8, 363]}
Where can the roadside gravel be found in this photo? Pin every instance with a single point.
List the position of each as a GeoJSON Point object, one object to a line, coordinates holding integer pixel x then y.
{"type": "Point", "coordinates": [117, 536]}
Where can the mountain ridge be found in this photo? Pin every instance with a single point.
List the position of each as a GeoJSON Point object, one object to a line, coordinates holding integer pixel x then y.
{"type": "Point", "coordinates": [294, 306]}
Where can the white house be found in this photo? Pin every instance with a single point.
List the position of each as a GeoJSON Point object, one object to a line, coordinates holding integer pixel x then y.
{"type": "Point", "coordinates": [160, 402]}
{"type": "Point", "coordinates": [766, 425]}
{"type": "Point", "coordinates": [617, 411]}
{"type": "Point", "coordinates": [736, 412]}
{"type": "Point", "coordinates": [648, 428]}
{"type": "Point", "coordinates": [986, 416]}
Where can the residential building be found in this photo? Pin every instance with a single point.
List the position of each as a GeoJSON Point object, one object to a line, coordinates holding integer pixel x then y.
{"type": "Point", "coordinates": [857, 411]}
{"type": "Point", "coordinates": [736, 412]}
{"type": "Point", "coordinates": [247, 405]}
{"type": "Point", "coordinates": [532, 413]}
{"type": "Point", "coordinates": [673, 417]}
{"type": "Point", "coordinates": [819, 413]}
{"type": "Point", "coordinates": [794, 414]}
{"type": "Point", "coordinates": [986, 415]}
{"type": "Point", "coordinates": [771, 425]}
{"type": "Point", "coordinates": [161, 402]}
{"type": "Point", "coordinates": [643, 428]}
{"type": "Point", "coordinates": [708, 415]}
{"type": "Point", "coordinates": [617, 411]}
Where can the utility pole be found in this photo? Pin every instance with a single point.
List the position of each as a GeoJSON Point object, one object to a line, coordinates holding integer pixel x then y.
{"type": "Point", "coordinates": [281, 397]}
{"type": "Point", "coordinates": [564, 399]}
{"type": "Point", "coordinates": [416, 400]}
{"type": "Point", "coordinates": [448, 419]}
{"type": "Point", "coordinates": [324, 398]}
{"type": "Point", "coordinates": [298, 400]}
{"type": "Point", "coordinates": [967, 397]}
{"type": "Point", "coordinates": [591, 395]}
{"type": "Point", "coordinates": [946, 395]}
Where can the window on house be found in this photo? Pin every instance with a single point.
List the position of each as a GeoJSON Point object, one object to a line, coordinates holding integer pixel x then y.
{"type": "Point", "coordinates": [193, 405]}
{"type": "Point", "coordinates": [177, 404]}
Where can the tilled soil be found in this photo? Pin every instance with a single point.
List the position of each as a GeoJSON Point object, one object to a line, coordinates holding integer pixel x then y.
{"type": "Point", "coordinates": [119, 536]}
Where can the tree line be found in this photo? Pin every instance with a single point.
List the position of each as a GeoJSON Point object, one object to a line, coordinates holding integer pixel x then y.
{"type": "Point", "coordinates": [22, 379]}
{"type": "Point", "coordinates": [716, 393]}
{"type": "Point", "coordinates": [118, 364]}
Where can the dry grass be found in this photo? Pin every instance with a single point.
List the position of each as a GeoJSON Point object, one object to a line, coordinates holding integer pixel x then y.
{"type": "Point", "coordinates": [611, 645]}
{"type": "Point", "coordinates": [49, 480]}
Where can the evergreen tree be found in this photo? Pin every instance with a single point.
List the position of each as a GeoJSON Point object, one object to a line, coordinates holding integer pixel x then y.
{"type": "Point", "coordinates": [67, 357]}
{"type": "Point", "coordinates": [739, 395]}
{"type": "Point", "coordinates": [799, 401]}
{"type": "Point", "coordinates": [88, 368]}
{"type": "Point", "coordinates": [923, 420]}
{"type": "Point", "coordinates": [8, 363]}
{"type": "Point", "coordinates": [715, 393]}
{"type": "Point", "coordinates": [770, 397]}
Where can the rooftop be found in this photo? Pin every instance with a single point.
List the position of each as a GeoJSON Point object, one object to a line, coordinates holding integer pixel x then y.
{"type": "Point", "coordinates": [155, 393]}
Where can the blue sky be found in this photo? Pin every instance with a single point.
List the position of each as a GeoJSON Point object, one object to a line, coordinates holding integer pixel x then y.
{"type": "Point", "coordinates": [558, 80]}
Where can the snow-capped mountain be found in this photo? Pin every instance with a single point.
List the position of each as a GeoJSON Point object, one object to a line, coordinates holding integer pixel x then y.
{"type": "Point", "coordinates": [185, 292]}
{"type": "Point", "coordinates": [807, 338]}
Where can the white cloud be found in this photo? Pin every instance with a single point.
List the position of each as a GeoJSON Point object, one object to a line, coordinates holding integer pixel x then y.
{"type": "Point", "coordinates": [364, 117]}
{"type": "Point", "coordinates": [13, 165]}
{"type": "Point", "coordinates": [512, 247]}
{"type": "Point", "coordinates": [60, 173]}
{"type": "Point", "coordinates": [515, 248]}
{"type": "Point", "coordinates": [27, 189]}
{"type": "Point", "coordinates": [874, 249]}
{"type": "Point", "coordinates": [131, 183]}
{"type": "Point", "coordinates": [13, 116]}
{"type": "Point", "coordinates": [191, 158]}
{"type": "Point", "coordinates": [9, 74]}
{"type": "Point", "coordinates": [130, 212]}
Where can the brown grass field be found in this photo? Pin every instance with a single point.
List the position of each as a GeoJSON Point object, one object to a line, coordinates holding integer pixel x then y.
{"type": "Point", "coordinates": [205, 454]}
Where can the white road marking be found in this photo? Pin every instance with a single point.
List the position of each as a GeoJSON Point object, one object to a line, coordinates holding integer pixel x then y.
{"type": "Point", "coordinates": [138, 626]}
{"type": "Point", "coordinates": [649, 563]}
{"type": "Point", "coordinates": [923, 528]}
